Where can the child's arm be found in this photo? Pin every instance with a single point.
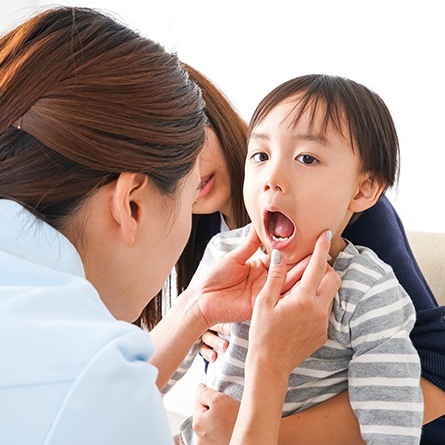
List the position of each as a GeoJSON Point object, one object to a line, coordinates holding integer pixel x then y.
{"type": "Point", "coordinates": [384, 372]}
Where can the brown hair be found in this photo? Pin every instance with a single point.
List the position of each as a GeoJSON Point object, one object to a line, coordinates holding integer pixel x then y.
{"type": "Point", "coordinates": [82, 99]}
{"type": "Point", "coordinates": [344, 103]}
{"type": "Point", "coordinates": [231, 131]}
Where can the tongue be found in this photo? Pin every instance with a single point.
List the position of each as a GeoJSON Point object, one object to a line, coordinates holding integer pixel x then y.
{"type": "Point", "coordinates": [281, 226]}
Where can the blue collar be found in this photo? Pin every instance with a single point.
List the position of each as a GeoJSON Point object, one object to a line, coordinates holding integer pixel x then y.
{"type": "Point", "coordinates": [25, 236]}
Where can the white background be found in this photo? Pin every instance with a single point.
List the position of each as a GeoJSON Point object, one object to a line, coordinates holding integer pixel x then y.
{"type": "Point", "coordinates": [395, 47]}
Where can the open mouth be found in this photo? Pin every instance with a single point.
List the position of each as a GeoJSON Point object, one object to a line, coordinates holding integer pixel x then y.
{"type": "Point", "coordinates": [206, 185]}
{"type": "Point", "coordinates": [279, 227]}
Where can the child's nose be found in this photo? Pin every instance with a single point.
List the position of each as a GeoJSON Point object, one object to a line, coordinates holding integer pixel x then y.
{"type": "Point", "coordinates": [276, 178]}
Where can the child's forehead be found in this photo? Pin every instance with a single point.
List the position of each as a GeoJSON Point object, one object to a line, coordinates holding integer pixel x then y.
{"type": "Point", "coordinates": [312, 114]}
{"type": "Point", "coordinates": [311, 120]}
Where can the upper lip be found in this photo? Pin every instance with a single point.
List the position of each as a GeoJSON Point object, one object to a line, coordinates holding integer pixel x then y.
{"type": "Point", "coordinates": [273, 209]}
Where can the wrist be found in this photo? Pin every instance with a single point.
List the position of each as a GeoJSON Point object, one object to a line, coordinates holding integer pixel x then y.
{"type": "Point", "coordinates": [260, 367]}
{"type": "Point", "coordinates": [190, 312]}
{"type": "Point", "coordinates": [264, 387]}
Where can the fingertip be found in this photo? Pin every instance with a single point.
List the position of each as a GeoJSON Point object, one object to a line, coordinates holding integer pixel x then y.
{"type": "Point", "coordinates": [226, 328]}
{"type": "Point", "coordinates": [200, 388]}
{"type": "Point", "coordinates": [275, 257]}
{"type": "Point", "coordinates": [324, 242]}
{"type": "Point", "coordinates": [248, 247]}
{"type": "Point", "coordinates": [221, 345]}
{"type": "Point", "coordinates": [252, 235]}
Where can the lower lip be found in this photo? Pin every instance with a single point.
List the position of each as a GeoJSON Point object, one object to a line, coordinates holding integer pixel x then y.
{"type": "Point", "coordinates": [207, 187]}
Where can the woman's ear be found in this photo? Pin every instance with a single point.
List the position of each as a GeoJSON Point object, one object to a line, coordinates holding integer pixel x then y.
{"type": "Point", "coordinates": [367, 194]}
{"type": "Point", "coordinates": [128, 203]}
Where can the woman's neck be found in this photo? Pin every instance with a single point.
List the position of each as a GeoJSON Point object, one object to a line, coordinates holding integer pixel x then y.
{"type": "Point", "coordinates": [230, 221]}
{"type": "Point", "coordinates": [227, 213]}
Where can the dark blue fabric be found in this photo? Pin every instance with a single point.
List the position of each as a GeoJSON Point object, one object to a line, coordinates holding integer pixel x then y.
{"type": "Point", "coordinates": [380, 229]}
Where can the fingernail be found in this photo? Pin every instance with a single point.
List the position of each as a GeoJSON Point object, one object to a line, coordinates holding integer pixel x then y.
{"type": "Point", "coordinates": [220, 345]}
{"type": "Point", "coordinates": [226, 328]}
{"type": "Point", "coordinates": [275, 258]}
{"type": "Point", "coordinates": [329, 234]}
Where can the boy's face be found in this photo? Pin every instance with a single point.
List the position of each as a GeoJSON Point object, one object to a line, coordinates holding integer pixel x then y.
{"type": "Point", "coordinates": [299, 182]}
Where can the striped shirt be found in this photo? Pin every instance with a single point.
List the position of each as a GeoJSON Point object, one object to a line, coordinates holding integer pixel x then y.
{"type": "Point", "coordinates": [368, 350]}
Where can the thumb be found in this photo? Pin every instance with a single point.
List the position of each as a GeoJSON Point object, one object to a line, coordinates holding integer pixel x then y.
{"type": "Point", "coordinates": [276, 278]}
{"type": "Point", "coordinates": [200, 406]}
{"type": "Point", "coordinates": [247, 248]}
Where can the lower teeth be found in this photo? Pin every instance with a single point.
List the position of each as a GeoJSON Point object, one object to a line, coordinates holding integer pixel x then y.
{"type": "Point", "coordinates": [277, 238]}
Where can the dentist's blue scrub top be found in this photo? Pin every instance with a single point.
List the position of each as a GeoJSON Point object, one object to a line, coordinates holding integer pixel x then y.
{"type": "Point", "coordinates": [70, 373]}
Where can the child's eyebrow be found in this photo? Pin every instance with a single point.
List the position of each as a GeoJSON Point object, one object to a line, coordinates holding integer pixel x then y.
{"type": "Point", "coordinates": [263, 136]}
{"type": "Point", "coordinates": [312, 137]}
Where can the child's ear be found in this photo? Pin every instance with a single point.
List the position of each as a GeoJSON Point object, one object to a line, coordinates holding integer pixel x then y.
{"type": "Point", "coordinates": [368, 192]}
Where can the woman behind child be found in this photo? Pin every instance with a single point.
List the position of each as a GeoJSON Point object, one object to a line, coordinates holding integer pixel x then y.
{"type": "Point", "coordinates": [392, 242]}
{"type": "Point", "coordinates": [220, 204]}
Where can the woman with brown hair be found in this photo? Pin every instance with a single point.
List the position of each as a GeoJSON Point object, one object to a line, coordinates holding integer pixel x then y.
{"type": "Point", "coordinates": [219, 205]}
{"type": "Point", "coordinates": [100, 129]}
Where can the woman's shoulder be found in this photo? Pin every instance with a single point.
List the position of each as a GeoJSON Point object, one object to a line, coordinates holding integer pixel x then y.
{"type": "Point", "coordinates": [65, 350]}
{"type": "Point", "coordinates": [113, 398]}
{"type": "Point", "coordinates": [53, 332]}
{"type": "Point", "coordinates": [119, 398]}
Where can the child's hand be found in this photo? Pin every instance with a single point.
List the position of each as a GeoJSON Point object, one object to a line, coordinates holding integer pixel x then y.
{"type": "Point", "coordinates": [214, 416]}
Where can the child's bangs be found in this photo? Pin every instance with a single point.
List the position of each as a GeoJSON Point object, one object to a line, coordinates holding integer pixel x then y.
{"type": "Point", "coordinates": [324, 110]}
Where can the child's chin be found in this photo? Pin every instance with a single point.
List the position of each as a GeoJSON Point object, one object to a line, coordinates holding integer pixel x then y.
{"type": "Point", "coordinates": [293, 257]}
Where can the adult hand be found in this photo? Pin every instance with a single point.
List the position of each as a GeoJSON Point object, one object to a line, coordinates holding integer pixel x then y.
{"type": "Point", "coordinates": [227, 292]}
{"type": "Point", "coordinates": [214, 343]}
{"type": "Point", "coordinates": [287, 328]}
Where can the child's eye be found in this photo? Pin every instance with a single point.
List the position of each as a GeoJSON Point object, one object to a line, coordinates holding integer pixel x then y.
{"type": "Point", "coordinates": [307, 159]}
{"type": "Point", "coordinates": [260, 157]}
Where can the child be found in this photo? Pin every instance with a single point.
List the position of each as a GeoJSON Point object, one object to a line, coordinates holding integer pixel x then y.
{"type": "Point", "coordinates": [321, 150]}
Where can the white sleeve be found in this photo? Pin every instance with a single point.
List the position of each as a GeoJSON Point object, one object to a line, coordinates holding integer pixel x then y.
{"type": "Point", "coordinates": [114, 400]}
